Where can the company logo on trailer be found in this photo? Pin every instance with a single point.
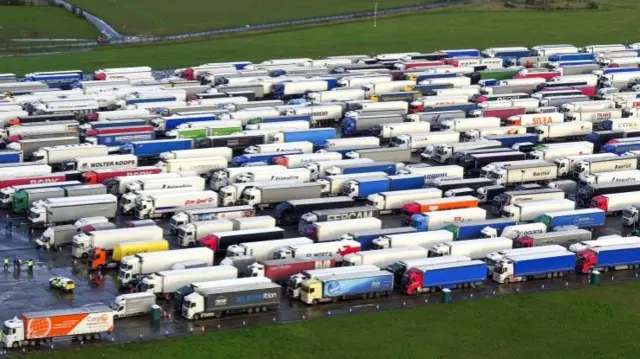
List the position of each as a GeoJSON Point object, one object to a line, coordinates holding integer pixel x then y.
{"type": "Point", "coordinates": [628, 165]}
{"type": "Point", "coordinates": [352, 215]}
{"type": "Point", "coordinates": [333, 288]}
{"type": "Point", "coordinates": [48, 180]}
{"type": "Point", "coordinates": [190, 202]}
{"type": "Point", "coordinates": [220, 301]}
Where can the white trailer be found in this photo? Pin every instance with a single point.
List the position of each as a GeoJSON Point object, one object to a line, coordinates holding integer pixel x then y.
{"type": "Point", "coordinates": [294, 174]}
{"type": "Point", "coordinates": [616, 202]}
{"type": "Point", "coordinates": [333, 185]}
{"type": "Point", "coordinates": [419, 140]}
{"type": "Point", "coordinates": [466, 124]}
{"type": "Point", "coordinates": [475, 248]}
{"type": "Point", "coordinates": [318, 168]}
{"type": "Point", "coordinates": [128, 200]}
{"type": "Point", "coordinates": [29, 170]}
{"type": "Point", "coordinates": [346, 94]}
{"type": "Point", "coordinates": [189, 234]}
{"type": "Point", "coordinates": [529, 210]}
{"type": "Point", "coordinates": [610, 177]}
{"type": "Point", "coordinates": [356, 82]}
{"type": "Point", "coordinates": [371, 89]}
{"type": "Point", "coordinates": [244, 223]}
{"type": "Point", "coordinates": [459, 81]}
{"type": "Point", "coordinates": [517, 174]}
{"type": "Point", "coordinates": [613, 163]}
{"type": "Point", "coordinates": [390, 130]}
{"type": "Point", "coordinates": [580, 106]}
{"type": "Point", "coordinates": [440, 100]}
{"type": "Point", "coordinates": [551, 152]}
{"type": "Point", "coordinates": [266, 195]}
{"type": "Point", "coordinates": [495, 257]}
{"type": "Point", "coordinates": [227, 176]}
{"type": "Point", "coordinates": [54, 211]}
{"type": "Point", "coordinates": [119, 184]}
{"type": "Point", "coordinates": [338, 144]}
{"type": "Point", "coordinates": [56, 154]}
{"type": "Point", "coordinates": [297, 161]}
{"type": "Point", "coordinates": [441, 153]}
{"type": "Point", "coordinates": [329, 231]}
{"type": "Point", "coordinates": [476, 134]}
{"type": "Point", "coordinates": [318, 113]}
{"type": "Point", "coordinates": [166, 282]}
{"type": "Point", "coordinates": [225, 152]}
{"type": "Point", "coordinates": [604, 241]}
{"type": "Point", "coordinates": [562, 130]}
{"type": "Point", "coordinates": [278, 126]}
{"type": "Point", "coordinates": [432, 173]}
{"type": "Point", "coordinates": [535, 119]}
{"type": "Point", "coordinates": [195, 183]}
{"type": "Point", "coordinates": [58, 128]}
{"type": "Point", "coordinates": [384, 257]}
{"type": "Point", "coordinates": [595, 116]}
{"type": "Point", "coordinates": [131, 267]}
{"type": "Point", "coordinates": [439, 219]}
{"type": "Point", "coordinates": [232, 194]}
{"type": "Point", "coordinates": [416, 239]}
{"type": "Point", "coordinates": [567, 164]}
{"type": "Point", "coordinates": [520, 230]}
{"type": "Point", "coordinates": [336, 249]}
{"type": "Point", "coordinates": [200, 165]}
{"type": "Point", "coordinates": [302, 146]}
{"type": "Point", "coordinates": [107, 239]}
{"type": "Point", "coordinates": [388, 202]}
{"type": "Point", "coordinates": [161, 205]}
{"type": "Point", "coordinates": [84, 164]}
{"type": "Point", "coordinates": [264, 250]}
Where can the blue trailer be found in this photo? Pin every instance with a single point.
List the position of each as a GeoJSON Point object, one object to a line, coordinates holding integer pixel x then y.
{"type": "Point", "coordinates": [431, 278]}
{"type": "Point", "coordinates": [571, 57]}
{"type": "Point", "coordinates": [405, 182]}
{"type": "Point", "coordinates": [600, 138]}
{"type": "Point", "coordinates": [622, 147]}
{"type": "Point", "coordinates": [365, 238]}
{"type": "Point", "coordinates": [341, 286]}
{"type": "Point", "coordinates": [521, 267]}
{"type": "Point", "coordinates": [56, 79]}
{"type": "Point", "coordinates": [615, 70]}
{"type": "Point", "coordinates": [363, 187]}
{"type": "Point", "coordinates": [118, 123]}
{"type": "Point", "coordinates": [139, 100]}
{"type": "Point", "coordinates": [242, 160]}
{"type": "Point", "coordinates": [586, 218]}
{"type": "Point", "coordinates": [279, 119]}
{"type": "Point", "coordinates": [389, 168]}
{"type": "Point", "coordinates": [608, 257]}
{"type": "Point", "coordinates": [462, 53]}
{"type": "Point", "coordinates": [510, 140]}
{"type": "Point", "coordinates": [166, 124]}
{"type": "Point", "coordinates": [313, 135]}
{"type": "Point", "coordinates": [121, 139]}
{"type": "Point", "coordinates": [155, 148]}
{"type": "Point", "coordinates": [10, 156]}
{"type": "Point", "coordinates": [473, 229]}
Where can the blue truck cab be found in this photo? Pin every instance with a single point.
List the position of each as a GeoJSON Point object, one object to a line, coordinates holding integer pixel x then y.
{"type": "Point", "coordinates": [166, 124]}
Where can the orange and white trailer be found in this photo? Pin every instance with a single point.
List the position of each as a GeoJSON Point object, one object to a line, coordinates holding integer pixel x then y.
{"type": "Point", "coordinates": [35, 328]}
{"type": "Point", "coordinates": [438, 204]}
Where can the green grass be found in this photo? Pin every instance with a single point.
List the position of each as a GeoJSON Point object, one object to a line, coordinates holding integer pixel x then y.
{"type": "Point", "coordinates": [464, 27]}
{"type": "Point", "coordinates": [598, 322]}
{"type": "Point", "coordinates": [43, 22]}
{"type": "Point", "coordinates": [160, 17]}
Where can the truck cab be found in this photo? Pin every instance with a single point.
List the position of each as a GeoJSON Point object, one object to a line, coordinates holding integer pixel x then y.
{"type": "Point", "coordinates": [252, 197]}
{"type": "Point", "coordinates": [147, 284]}
{"type": "Point", "coordinates": [38, 215]}
{"type": "Point", "coordinates": [143, 207]}
{"type": "Point", "coordinates": [419, 222]}
{"type": "Point", "coordinates": [439, 250]}
{"type": "Point", "coordinates": [587, 259]}
{"type": "Point", "coordinates": [630, 216]}
{"type": "Point", "coordinates": [13, 333]}
{"type": "Point", "coordinates": [503, 271]}
{"type": "Point", "coordinates": [412, 281]}
{"type": "Point", "coordinates": [311, 291]}
{"type": "Point", "coordinates": [81, 245]}
{"type": "Point", "coordinates": [127, 266]}
{"type": "Point", "coordinates": [192, 306]}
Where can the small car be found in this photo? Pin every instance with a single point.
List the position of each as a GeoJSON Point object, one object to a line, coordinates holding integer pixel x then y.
{"type": "Point", "coordinates": [63, 283]}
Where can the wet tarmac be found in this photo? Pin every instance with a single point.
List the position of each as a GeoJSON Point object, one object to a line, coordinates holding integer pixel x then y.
{"type": "Point", "coordinates": [23, 292]}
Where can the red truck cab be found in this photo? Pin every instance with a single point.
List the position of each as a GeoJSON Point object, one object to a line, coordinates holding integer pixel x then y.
{"type": "Point", "coordinates": [409, 210]}
{"type": "Point", "coordinates": [411, 281]}
{"type": "Point", "coordinates": [210, 241]}
{"type": "Point", "coordinates": [601, 202]}
{"type": "Point", "coordinates": [523, 242]}
{"type": "Point", "coordinates": [587, 259]}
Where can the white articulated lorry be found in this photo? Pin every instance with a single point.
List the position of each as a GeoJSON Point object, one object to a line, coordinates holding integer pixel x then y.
{"type": "Point", "coordinates": [199, 165]}
{"type": "Point", "coordinates": [264, 250]}
{"type": "Point", "coordinates": [518, 174]}
{"type": "Point", "coordinates": [388, 202]}
{"type": "Point", "coordinates": [228, 176]}
{"type": "Point", "coordinates": [132, 267]}
{"type": "Point", "coordinates": [55, 211]}
{"type": "Point", "coordinates": [474, 248]}
{"type": "Point", "coordinates": [107, 239]}
{"type": "Point", "coordinates": [190, 233]}
{"type": "Point", "coordinates": [118, 185]}
{"type": "Point", "coordinates": [159, 205]}
{"type": "Point", "coordinates": [417, 239]}
{"type": "Point", "coordinates": [266, 195]}
{"type": "Point", "coordinates": [167, 282]}
{"type": "Point", "coordinates": [383, 257]}
{"type": "Point", "coordinates": [294, 174]}
{"type": "Point", "coordinates": [56, 154]}
{"type": "Point", "coordinates": [530, 210]}
{"type": "Point", "coordinates": [225, 152]}
{"type": "Point", "coordinates": [194, 183]}
{"type": "Point", "coordinates": [128, 200]}
{"type": "Point", "coordinates": [329, 231]}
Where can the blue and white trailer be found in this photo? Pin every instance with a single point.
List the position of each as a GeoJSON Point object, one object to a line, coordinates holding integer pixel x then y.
{"type": "Point", "coordinates": [389, 168]}
{"type": "Point", "coordinates": [55, 79]}
{"type": "Point", "coordinates": [518, 268]}
{"type": "Point", "coordinates": [363, 187]}
{"type": "Point", "coordinates": [317, 136]}
{"type": "Point", "coordinates": [165, 124]}
{"type": "Point", "coordinates": [571, 57]}
{"type": "Point", "coordinates": [365, 238]}
{"type": "Point", "coordinates": [255, 121]}
{"type": "Point", "coordinates": [474, 229]}
{"type": "Point", "coordinates": [268, 158]}
{"type": "Point", "coordinates": [431, 278]}
{"type": "Point", "coordinates": [155, 147]}
{"type": "Point", "coordinates": [121, 139]}
{"type": "Point", "coordinates": [294, 89]}
{"type": "Point", "coordinates": [622, 147]}
{"type": "Point", "coordinates": [609, 257]}
{"type": "Point", "coordinates": [334, 287]}
{"type": "Point", "coordinates": [462, 53]}
{"type": "Point", "coordinates": [586, 218]}
{"type": "Point", "coordinates": [344, 144]}
{"type": "Point", "coordinates": [510, 140]}
{"type": "Point", "coordinates": [10, 156]}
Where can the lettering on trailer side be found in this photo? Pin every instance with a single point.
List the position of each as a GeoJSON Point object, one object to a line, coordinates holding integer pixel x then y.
{"type": "Point", "coordinates": [173, 186]}
{"type": "Point", "coordinates": [320, 254]}
{"type": "Point", "coordinates": [135, 173]}
{"type": "Point", "coordinates": [290, 177]}
{"type": "Point", "coordinates": [542, 120]}
{"type": "Point", "coordinates": [627, 179]}
{"type": "Point", "coordinates": [109, 164]}
{"type": "Point", "coordinates": [545, 173]}
{"type": "Point", "coordinates": [288, 149]}
{"type": "Point", "coordinates": [48, 180]}
{"type": "Point", "coordinates": [603, 115]}
{"type": "Point", "coordinates": [190, 202]}
{"type": "Point", "coordinates": [350, 215]}
{"type": "Point", "coordinates": [628, 165]}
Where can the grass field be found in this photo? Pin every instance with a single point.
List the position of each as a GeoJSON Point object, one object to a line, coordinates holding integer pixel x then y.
{"type": "Point", "coordinates": [465, 27]}
{"type": "Point", "coordinates": [159, 17]}
{"type": "Point", "coordinates": [43, 22]}
{"type": "Point", "coordinates": [598, 322]}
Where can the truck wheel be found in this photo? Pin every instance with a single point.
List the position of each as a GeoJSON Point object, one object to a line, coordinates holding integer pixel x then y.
{"type": "Point", "coordinates": [196, 317]}
{"type": "Point", "coordinates": [314, 302]}
{"type": "Point", "coordinates": [15, 345]}
{"type": "Point", "coordinates": [115, 316]}
{"type": "Point", "coordinates": [191, 244]}
{"type": "Point", "coordinates": [508, 280]}
{"type": "Point", "coordinates": [249, 310]}
{"type": "Point", "coordinates": [84, 255]}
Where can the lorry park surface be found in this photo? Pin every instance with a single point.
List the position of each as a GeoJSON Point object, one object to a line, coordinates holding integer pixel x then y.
{"type": "Point", "coordinates": [23, 292]}
{"type": "Point", "coordinates": [466, 27]}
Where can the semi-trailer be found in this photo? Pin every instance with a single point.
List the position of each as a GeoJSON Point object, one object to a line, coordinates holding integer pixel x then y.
{"type": "Point", "coordinates": [437, 204]}
{"type": "Point", "coordinates": [152, 149]}
{"type": "Point", "coordinates": [364, 187]}
{"type": "Point", "coordinates": [606, 258]}
{"type": "Point", "coordinates": [132, 267]}
{"type": "Point", "coordinates": [493, 258]}
{"type": "Point", "coordinates": [418, 141]}
{"type": "Point", "coordinates": [280, 270]}
{"type": "Point", "coordinates": [432, 173]}
{"type": "Point", "coordinates": [517, 268]}
{"type": "Point", "coordinates": [446, 184]}
{"type": "Point", "coordinates": [128, 200]}
{"type": "Point", "coordinates": [297, 161]}
{"type": "Point", "coordinates": [84, 323]}
{"type": "Point", "coordinates": [189, 234]}
{"type": "Point", "coordinates": [199, 165]}
{"type": "Point", "coordinates": [232, 194]}
{"type": "Point", "coordinates": [616, 202]}
{"type": "Point", "coordinates": [336, 214]}
{"type": "Point", "coordinates": [564, 238]}
{"type": "Point", "coordinates": [55, 155]}
{"type": "Point", "coordinates": [224, 177]}
{"type": "Point", "coordinates": [475, 248]}
{"type": "Point", "coordinates": [389, 168]}
{"type": "Point", "coordinates": [430, 278]}
{"type": "Point", "coordinates": [513, 197]}
{"type": "Point", "coordinates": [335, 249]}
{"type": "Point", "coordinates": [587, 218]}
{"type": "Point", "coordinates": [24, 169]}
{"type": "Point", "coordinates": [345, 285]}
{"type": "Point", "coordinates": [478, 229]}
{"type": "Point", "coordinates": [384, 257]}
{"type": "Point", "coordinates": [166, 282]}
{"type": "Point", "coordinates": [390, 154]}
{"type": "Point", "coordinates": [8, 193]}
{"type": "Point", "coordinates": [209, 214]}
{"type": "Point", "coordinates": [518, 174]}
{"type": "Point", "coordinates": [421, 239]}
{"type": "Point", "coordinates": [264, 250]}
{"type": "Point", "coordinates": [68, 210]}
{"type": "Point", "coordinates": [117, 185]}
{"type": "Point", "coordinates": [586, 193]}
{"type": "Point", "coordinates": [366, 238]}
{"type": "Point", "coordinates": [552, 151]}
{"type": "Point", "coordinates": [107, 239]}
{"type": "Point", "coordinates": [292, 174]}
{"type": "Point", "coordinates": [102, 175]}
{"type": "Point", "coordinates": [117, 162]}
{"type": "Point", "coordinates": [585, 167]}
{"type": "Point", "coordinates": [249, 298]}
{"type": "Point", "coordinates": [318, 168]}
{"type": "Point", "coordinates": [193, 183]}
{"type": "Point", "coordinates": [220, 241]}
{"type": "Point", "coordinates": [529, 210]}
{"type": "Point", "coordinates": [439, 219]}
{"type": "Point", "coordinates": [567, 164]}
{"type": "Point", "coordinates": [295, 281]}
{"type": "Point", "coordinates": [289, 212]}
{"type": "Point", "coordinates": [100, 258]}
{"type": "Point", "coordinates": [264, 196]}
{"type": "Point", "coordinates": [604, 241]}
{"type": "Point", "coordinates": [332, 230]}
{"type": "Point", "coordinates": [30, 146]}
{"type": "Point", "coordinates": [563, 130]}
{"type": "Point", "coordinates": [473, 163]}
{"type": "Point", "coordinates": [387, 202]}
{"type": "Point", "coordinates": [333, 185]}
{"type": "Point", "coordinates": [163, 205]}
{"type": "Point", "coordinates": [25, 198]}
{"type": "Point", "coordinates": [225, 152]}
{"type": "Point", "coordinates": [611, 177]}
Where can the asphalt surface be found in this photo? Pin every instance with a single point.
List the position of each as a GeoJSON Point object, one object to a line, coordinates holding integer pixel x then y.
{"type": "Point", "coordinates": [24, 292]}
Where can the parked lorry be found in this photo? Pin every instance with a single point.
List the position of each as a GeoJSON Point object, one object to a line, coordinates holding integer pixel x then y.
{"type": "Point", "coordinates": [132, 304]}
{"type": "Point", "coordinates": [530, 210]}
{"type": "Point", "coordinates": [518, 174]}
{"type": "Point", "coordinates": [58, 236]}
{"type": "Point", "coordinates": [475, 248]}
{"type": "Point", "coordinates": [8, 193]}
{"type": "Point", "coordinates": [264, 250]}
{"type": "Point", "coordinates": [437, 204]}
{"type": "Point", "coordinates": [439, 219]}
{"type": "Point", "coordinates": [328, 231]}
{"type": "Point", "coordinates": [103, 175]}
{"type": "Point", "coordinates": [132, 267]}
{"type": "Point", "coordinates": [199, 165]}
{"type": "Point", "coordinates": [563, 130]}
{"type": "Point", "coordinates": [289, 212]}
{"type": "Point", "coordinates": [613, 203]}
{"type": "Point", "coordinates": [152, 149]}
{"type": "Point", "coordinates": [335, 214]}
{"type": "Point", "coordinates": [564, 238]}
{"type": "Point", "coordinates": [430, 278]}
{"type": "Point", "coordinates": [605, 258]}
{"type": "Point", "coordinates": [389, 154]}
{"type": "Point", "coordinates": [118, 185]}
{"type": "Point", "coordinates": [253, 297]}
{"type": "Point", "coordinates": [163, 283]}
{"type": "Point", "coordinates": [68, 210]}
{"type": "Point", "coordinates": [162, 205]}
{"type": "Point", "coordinates": [550, 152]}
{"type": "Point", "coordinates": [588, 218]}
{"type": "Point", "coordinates": [299, 160]}
{"type": "Point", "coordinates": [189, 234]}
{"type": "Point", "coordinates": [420, 239]}
{"type": "Point", "coordinates": [117, 162]}
{"type": "Point", "coordinates": [192, 183]}
{"type": "Point", "coordinates": [334, 185]}
{"type": "Point", "coordinates": [586, 193]}
{"type": "Point", "coordinates": [607, 164]}
{"type": "Point", "coordinates": [220, 241]}
{"type": "Point", "coordinates": [334, 249]}
{"type": "Point", "coordinates": [493, 258]}
{"type": "Point", "coordinates": [517, 268]}
{"type": "Point", "coordinates": [280, 270]}
{"type": "Point", "coordinates": [55, 155]}
{"type": "Point", "coordinates": [418, 141]}
{"type": "Point", "coordinates": [224, 177]}
{"type": "Point", "coordinates": [26, 198]}
{"type": "Point", "coordinates": [209, 214]}
{"type": "Point", "coordinates": [295, 281]}
{"type": "Point", "coordinates": [364, 187]}
{"type": "Point", "coordinates": [389, 168]}
{"type": "Point", "coordinates": [293, 174]}
{"type": "Point", "coordinates": [433, 173]}
{"type": "Point", "coordinates": [366, 238]}
{"type": "Point", "coordinates": [345, 285]}
{"type": "Point", "coordinates": [387, 202]}
{"type": "Point", "coordinates": [107, 239]}
{"type": "Point", "coordinates": [478, 229]}
{"type": "Point", "coordinates": [263, 196]}
{"type": "Point", "coordinates": [101, 259]}
{"type": "Point", "coordinates": [79, 323]}
{"type": "Point", "coordinates": [513, 197]}
{"type": "Point", "coordinates": [225, 152]}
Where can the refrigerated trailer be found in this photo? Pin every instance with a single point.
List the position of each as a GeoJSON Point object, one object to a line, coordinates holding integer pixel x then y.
{"type": "Point", "coordinates": [53, 211]}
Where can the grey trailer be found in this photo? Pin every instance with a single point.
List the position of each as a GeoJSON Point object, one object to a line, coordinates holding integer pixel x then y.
{"type": "Point", "coordinates": [85, 190]}
{"type": "Point", "coordinates": [29, 146]}
{"type": "Point", "coordinates": [390, 154]}
{"type": "Point", "coordinates": [58, 236]}
{"type": "Point", "coordinates": [563, 238]}
{"type": "Point", "coordinates": [240, 262]}
{"type": "Point", "coordinates": [265, 195]}
{"type": "Point", "coordinates": [218, 301]}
